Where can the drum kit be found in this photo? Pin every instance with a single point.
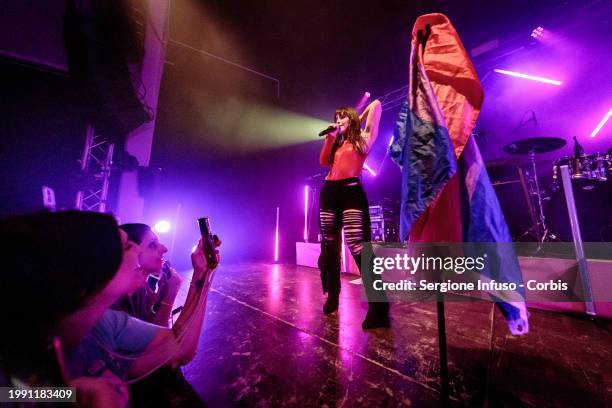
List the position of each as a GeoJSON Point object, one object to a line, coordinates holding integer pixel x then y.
{"type": "Point", "coordinates": [591, 176]}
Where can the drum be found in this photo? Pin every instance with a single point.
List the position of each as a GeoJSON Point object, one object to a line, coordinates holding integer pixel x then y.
{"type": "Point", "coordinates": [598, 166]}
{"type": "Point", "coordinates": [595, 166]}
{"type": "Point", "coordinates": [593, 203]}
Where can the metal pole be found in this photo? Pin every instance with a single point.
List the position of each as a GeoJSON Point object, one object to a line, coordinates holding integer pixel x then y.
{"type": "Point", "coordinates": [580, 257]}
{"type": "Point", "coordinates": [106, 172]}
{"type": "Point", "coordinates": [444, 381]}
{"type": "Point", "coordinates": [89, 134]}
{"type": "Point", "coordinates": [535, 225]}
{"type": "Point", "coordinates": [539, 195]}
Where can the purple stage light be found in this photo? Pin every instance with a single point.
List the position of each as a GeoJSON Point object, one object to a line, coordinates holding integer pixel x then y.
{"type": "Point", "coordinates": [306, 213]}
{"type": "Point", "coordinates": [530, 77]}
{"type": "Point", "coordinates": [276, 236]}
{"type": "Point", "coordinates": [162, 226]}
{"type": "Point", "coordinates": [390, 141]}
{"type": "Point", "coordinates": [365, 166]}
{"type": "Point", "coordinates": [601, 124]}
{"type": "Point", "coordinates": [537, 32]}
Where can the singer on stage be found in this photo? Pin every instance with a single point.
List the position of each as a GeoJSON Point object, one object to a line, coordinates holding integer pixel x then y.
{"type": "Point", "coordinates": [343, 202]}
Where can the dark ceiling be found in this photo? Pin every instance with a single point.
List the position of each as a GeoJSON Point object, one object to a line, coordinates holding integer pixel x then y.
{"type": "Point", "coordinates": [326, 54]}
{"type": "Point", "coordinates": [327, 51]}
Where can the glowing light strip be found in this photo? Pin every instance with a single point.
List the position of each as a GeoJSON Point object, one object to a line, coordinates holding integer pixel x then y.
{"type": "Point", "coordinates": [530, 77]}
{"type": "Point", "coordinates": [306, 213]}
{"type": "Point", "coordinates": [602, 123]}
{"type": "Point", "coordinates": [343, 256]}
{"type": "Point", "coordinates": [365, 166]}
{"type": "Point", "coordinates": [276, 236]}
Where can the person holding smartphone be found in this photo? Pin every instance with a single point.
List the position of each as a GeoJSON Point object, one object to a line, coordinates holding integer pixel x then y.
{"type": "Point", "coordinates": [73, 266]}
{"type": "Point", "coordinates": [154, 300]}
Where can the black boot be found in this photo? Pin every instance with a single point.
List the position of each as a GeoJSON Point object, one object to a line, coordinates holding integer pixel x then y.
{"type": "Point", "coordinates": [331, 304]}
{"type": "Point", "coordinates": [377, 316]}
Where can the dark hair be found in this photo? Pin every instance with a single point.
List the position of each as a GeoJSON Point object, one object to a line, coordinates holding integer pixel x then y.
{"type": "Point", "coordinates": [53, 264]}
{"type": "Point", "coordinates": [135, 232]}
{"type": "Point", "coordinates": [353, 133]}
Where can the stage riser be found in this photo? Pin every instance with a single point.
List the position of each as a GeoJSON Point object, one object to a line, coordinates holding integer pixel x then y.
{"type": "Point", "coordinates": [307, 254]}
{"type": "Point", "coordinates": [539, 269]}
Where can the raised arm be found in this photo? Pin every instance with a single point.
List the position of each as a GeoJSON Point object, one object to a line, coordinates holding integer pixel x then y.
{"type": "Point", "coordinates": [178, 345]}
{"type": "Point", "coordinates": [164, 311]}
{"type": "Point", "coordinates": [372, 114]}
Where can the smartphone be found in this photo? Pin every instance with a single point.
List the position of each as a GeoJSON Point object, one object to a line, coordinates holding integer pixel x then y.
{"type": "Point", "coordinates": [208, 242]}
{"type": "Point", "coordinates": [153, 282]}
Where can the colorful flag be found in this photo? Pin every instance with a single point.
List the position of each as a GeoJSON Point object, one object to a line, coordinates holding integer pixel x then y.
{"type": "Point", "coordinates": [446, 193]}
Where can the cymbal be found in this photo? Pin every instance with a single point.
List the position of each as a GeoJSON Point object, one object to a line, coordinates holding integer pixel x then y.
{"type": "Point", "coordinates": [535, 144]}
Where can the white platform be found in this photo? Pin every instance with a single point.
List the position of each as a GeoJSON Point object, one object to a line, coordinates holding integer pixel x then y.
{"type": "Point", "coordinates": [307, 254]}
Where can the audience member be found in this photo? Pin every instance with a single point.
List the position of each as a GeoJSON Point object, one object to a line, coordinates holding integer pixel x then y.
{"type": "Point", "coordinates": [63, 272]}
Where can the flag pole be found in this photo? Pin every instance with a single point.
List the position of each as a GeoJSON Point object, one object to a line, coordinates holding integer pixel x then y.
{"type": "Point", "coordinates": [444, 382]}
{"type": "Point", "coordinates": [422, 37]}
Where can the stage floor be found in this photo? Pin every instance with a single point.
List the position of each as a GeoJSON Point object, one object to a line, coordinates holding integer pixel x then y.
{"type": "Point", "coordinates": [266, 342]}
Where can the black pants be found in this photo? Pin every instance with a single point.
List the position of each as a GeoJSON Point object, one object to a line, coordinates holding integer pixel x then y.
{"type": "Point", "coordinates": [343, 203]}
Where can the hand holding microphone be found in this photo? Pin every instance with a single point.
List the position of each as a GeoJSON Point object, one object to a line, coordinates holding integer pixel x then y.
{"type": "Point", "coordinates": [331, 130]}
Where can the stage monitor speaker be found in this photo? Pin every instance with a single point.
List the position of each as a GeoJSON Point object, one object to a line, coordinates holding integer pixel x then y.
{"type": "Point", "coordinates": [594, 207]}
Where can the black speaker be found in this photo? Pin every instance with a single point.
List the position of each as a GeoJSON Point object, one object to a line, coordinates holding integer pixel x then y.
{"type": "Point", "coordinates": [101, 38]}
{"type": "Point", "coordinates": [593, 200]}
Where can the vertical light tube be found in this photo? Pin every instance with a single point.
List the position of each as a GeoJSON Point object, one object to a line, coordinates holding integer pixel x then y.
{"type": "Point", "coordinates": [276, 236]}
{"type": "Point", "coordinates": [343, 265]}
{"type": "Point", "coordinates": [306, 213]}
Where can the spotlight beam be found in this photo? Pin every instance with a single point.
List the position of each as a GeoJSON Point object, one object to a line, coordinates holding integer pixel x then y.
{"type": "Point", "coordinates": [530, 77]}
{"type": "Point", "coordinates": [235, 64]}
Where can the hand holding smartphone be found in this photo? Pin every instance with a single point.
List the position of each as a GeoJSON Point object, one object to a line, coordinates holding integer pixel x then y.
{"type": "Point", "coordinates": [208, 242]}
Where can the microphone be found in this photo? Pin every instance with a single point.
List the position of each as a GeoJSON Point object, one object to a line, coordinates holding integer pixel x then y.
{"type": "Point", "coordinates": [329, 129]}
{"type": "Point", "coordinates": [578, 149]}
